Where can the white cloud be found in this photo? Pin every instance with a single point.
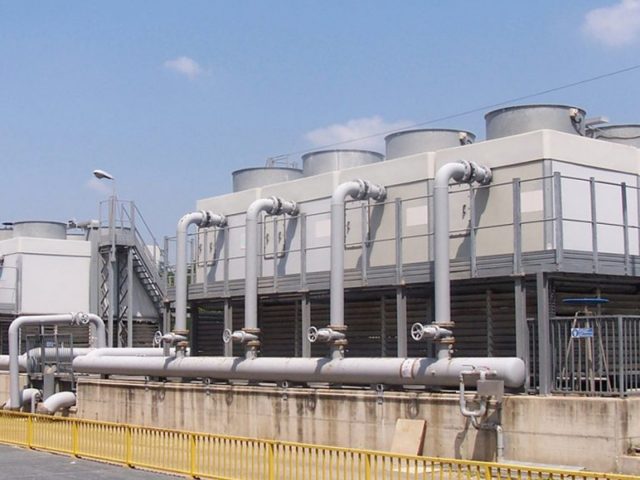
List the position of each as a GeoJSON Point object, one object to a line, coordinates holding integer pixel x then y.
{"type": "Point", "coordinates": [184, 66]}
{"type": "Point", "coordinates": [616, 25]}
{"type": "Point", "coordinates": [99, 186]}
{"type": "Point", "coordinates": [366, 133]}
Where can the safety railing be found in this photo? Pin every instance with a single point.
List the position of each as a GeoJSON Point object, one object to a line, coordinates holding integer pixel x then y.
{"type": "Point", "coordinates": [559, 213]}
{"type": "Point", "coordinates": [590, 355]}
{"type": "Point", "coordinates": [201, 455]}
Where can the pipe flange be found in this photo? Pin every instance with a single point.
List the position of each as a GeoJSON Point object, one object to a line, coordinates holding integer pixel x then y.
{"type": "Point", "coordinates": [338, 328]}
{"type": "Point", "coordinates": [446, 341]}
{"type": "Point", "coordinates": [468, 171]}
{"type": "Point", "coordinates": [184, 333]}
{"type": "Point", "coordinates": [276, 206]}
{"type": "Point", "coordinates": [447, 325]}
{"type": "Point", "coordinates": [253, 331]}
{"type": "Point", "coordinates": [340, 343]}
{"type": "Point", "coordinates": [253, 344]}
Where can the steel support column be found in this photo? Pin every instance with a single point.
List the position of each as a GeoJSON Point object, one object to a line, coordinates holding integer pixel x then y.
{"type": "Point", "coordinates": [544, 334]}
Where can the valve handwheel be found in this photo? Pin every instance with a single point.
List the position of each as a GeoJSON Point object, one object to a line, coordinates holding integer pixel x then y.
{"type": "Point", "coordinates": [312, 334]}
{"type": "Point", "coordinates": [417, 331]}
{"type": "Point", "coordinates": [226, 335]}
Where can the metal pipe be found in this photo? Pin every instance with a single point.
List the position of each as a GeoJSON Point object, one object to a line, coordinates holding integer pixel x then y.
{"type": "Point", "coordinates": [350, 371]}
{"type": "Point", "coordinates": [62, 319]}
{"type": "Point", "coordinates": [28, 395]}
{"type": "Point", "coordinates": [459, 172]}
{"type": "Point", "coordinates": [58, 401]}
{"type": "Point", "coordinates": [358, 190]}
{"type": "Point", "coordinates": [272, 206]}
{"type": "Point", "coordinates": [202, 219]}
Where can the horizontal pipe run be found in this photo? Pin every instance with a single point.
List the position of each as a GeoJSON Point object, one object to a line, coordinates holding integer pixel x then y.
{"type": "Point", "coordinates": [67, 354]}
{"type": "Point", "coordinates": [354, 371]}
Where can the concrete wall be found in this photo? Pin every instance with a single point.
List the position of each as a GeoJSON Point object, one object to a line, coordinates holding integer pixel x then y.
{"type": "Point", "coordinates": [572, 431]}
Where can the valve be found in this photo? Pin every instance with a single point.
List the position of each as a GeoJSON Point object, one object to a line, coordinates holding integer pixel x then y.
{"type": "Point", "coordinates": [420, 332]}
{"type": "Point", "coordinates": [238, 336]}
{"type": "Point", "coordinates": [79, 318]}
{"type": "Point", "coordinates": [170, 338]}
{"type": "Point", "coordinates": [323, 335]}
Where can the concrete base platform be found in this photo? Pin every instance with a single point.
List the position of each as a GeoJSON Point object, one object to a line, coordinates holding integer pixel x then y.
{"type": "Point", "coordinates": [590, 433]}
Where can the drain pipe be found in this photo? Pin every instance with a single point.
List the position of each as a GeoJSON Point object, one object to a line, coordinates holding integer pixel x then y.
{"type": "Point", "coordinates": [63, 319]}
{"type": "Point", "coordinates": [202, 219]}
{"type": "Point", "coordinates": [58, 401]}
{"type": "Point", "coordinates": [476, 414]}
{"type": "Point", "coordinates": [335, 333]}
{"type": "Point", "coordinates": [460, 172]}
{"type": "Point", "coordinates": [249, 336]}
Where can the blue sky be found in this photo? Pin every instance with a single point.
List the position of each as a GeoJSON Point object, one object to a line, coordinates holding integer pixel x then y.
{"type": "Point", "coordinates": [171, 97]}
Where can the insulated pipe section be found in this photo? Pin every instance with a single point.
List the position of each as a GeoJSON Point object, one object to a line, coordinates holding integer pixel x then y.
{"type": "Point", "coordinates": [459, 172]}
{"type": "Point", "coordinates": [357, 190]}
{"type": "Point", "coordinates": [58, 401]}
{"type": "Point", "coordinates": [202, 219]}
{"type": "Point", "coordinates": [271, 206]}
{"type": "Point", "coordinates": [62, 319]}
{"type": "Point", "coordinates": [349, 371]}
{"type": "Point", "coordinates": [28, 396]}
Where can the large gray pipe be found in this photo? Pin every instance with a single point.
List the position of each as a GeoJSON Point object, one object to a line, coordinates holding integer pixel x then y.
{"type": "Point", "coordinates": [58, 401]}
{"type": "Point", "coordinates": [350, 371]}
{"type": "Point", "coordinates": [202, 219]}
{"type": "Point", "coordinates": [358, 190]}
{"type": "Point", "coordinates": [62, 319]}
{"type": "Point", "coordinates": [272, 206]}
{"type": "Point", "coordinates": [459, 172]}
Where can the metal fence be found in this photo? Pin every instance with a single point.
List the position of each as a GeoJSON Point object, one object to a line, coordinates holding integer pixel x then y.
{"type": "Point", "coordinates": [590, 355]}
{"type": "Point", "coordinates": [201, 455]}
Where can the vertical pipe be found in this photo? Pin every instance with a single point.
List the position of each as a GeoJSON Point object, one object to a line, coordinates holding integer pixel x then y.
{"type": "Point", "coordinates": [201, 219]}
{"type": "Point", "coordinates": [364, 244]}
{"type": "Point", "coordinates": [472, 233]}
{"type": "Point", "coordinates": [544, 346]}
{"type": "Point", "coordinates": [358, 190]}
{"type": "Point", "coordinates": [275, 255]}
{"type": "Point", "coordinates": [273, 206]}
{"type": "Point", "coordinates": [205, 262]}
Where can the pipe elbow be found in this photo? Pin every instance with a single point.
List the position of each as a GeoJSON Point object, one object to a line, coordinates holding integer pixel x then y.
{"type": "Point", "coordinates": [58, 401]}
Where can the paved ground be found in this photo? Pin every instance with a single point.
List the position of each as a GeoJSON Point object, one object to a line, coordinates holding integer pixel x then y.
{"type": "Point", "coordinates": [24, 464]}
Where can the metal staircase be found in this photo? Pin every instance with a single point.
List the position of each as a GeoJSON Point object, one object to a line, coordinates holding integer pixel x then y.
{"type": "Point", "coordinates": [127, 258]}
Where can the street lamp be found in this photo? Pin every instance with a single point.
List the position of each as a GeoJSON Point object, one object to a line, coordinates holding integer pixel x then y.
{"type": "Point", "coordinates": [104, 175]}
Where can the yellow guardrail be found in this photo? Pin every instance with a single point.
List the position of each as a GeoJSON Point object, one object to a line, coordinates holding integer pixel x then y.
{"type": "Point", "coordinates": [203, 455]}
